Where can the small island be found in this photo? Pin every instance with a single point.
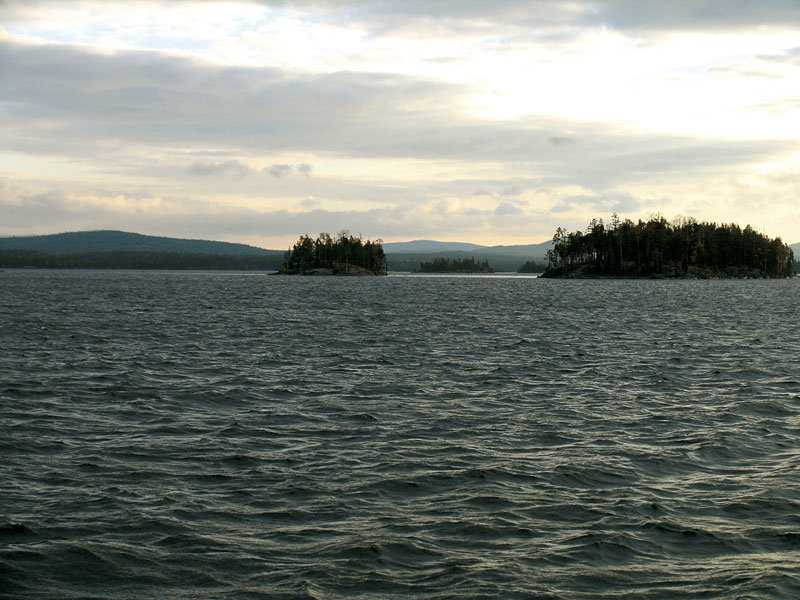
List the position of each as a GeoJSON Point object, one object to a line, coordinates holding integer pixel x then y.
{"type": "Point", "coordinates": [455, 265]}
{"type": "Point", "coordinates": [343, 255]}
{"type": "Point", "coordinates": [658, 248]}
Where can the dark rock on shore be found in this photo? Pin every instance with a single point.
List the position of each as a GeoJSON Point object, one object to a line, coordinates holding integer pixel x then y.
{"type": "Point", "coordinates": [336, 269]}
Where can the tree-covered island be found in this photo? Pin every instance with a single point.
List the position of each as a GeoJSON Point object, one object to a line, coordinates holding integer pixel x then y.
{"type": "Point", "coordinates": [657, 248]}
{"type": "Point", "coordinates": [343, 255]}
{"type": "Point", "coordinates": [455, 265]}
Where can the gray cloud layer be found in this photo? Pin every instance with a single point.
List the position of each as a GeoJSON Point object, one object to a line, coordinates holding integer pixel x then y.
{"type": "Point", "coordinates": [75, 103]}
{"type": "Point", "coordinates": [619, 14]}
{"type": "Point", "coordinates": [383, 15]}
{"type": "Point", "coordinates": [154, 98]}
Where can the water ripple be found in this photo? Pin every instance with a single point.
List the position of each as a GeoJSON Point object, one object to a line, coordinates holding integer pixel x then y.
{"type": "Point", "coordinates": [185, 435]}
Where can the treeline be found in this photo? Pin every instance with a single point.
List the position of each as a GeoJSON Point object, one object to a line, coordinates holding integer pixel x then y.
{"type": "Point", "coordinates": [532, 266]}
{"type": "Point", "coordinates": [336, 254]}
{"type": "Point", "coordinates": [138, 260]}
{"type": "Point", "coordinates": [683, 248]}
{"type": "Point", "coordinates": [455, 265]}
{"type": "Point", "coordinates": [411, 261]}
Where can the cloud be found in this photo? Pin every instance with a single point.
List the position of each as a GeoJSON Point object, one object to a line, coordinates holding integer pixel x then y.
{"type": "Point", "coordinates": [309, 203]}
{"type": "Point", "coordinates": [65, 98]}
{"type": "Point", "coordinates": [508, 208]}
{"type": "Point", "coordinates": [618, 202]}
{"type": "Point", "coordinates": [29, 208]}
{"type": "Point", "coordinates": [274, 228]}
{"type": "Point", "coordinates": [691, 14]}
{"type": "Point", "coordinates": [278, 171]}
{"type": "Point", "coordinates": [561, 140]}
{"type": "Point", "coordinates": [228, 167]}
{"type": "Point", "coordinates": [77, 103]}
{"type": "Point", "coordinates": [791, 57]}
{"type": "Point", "coordinates": [682, 14]}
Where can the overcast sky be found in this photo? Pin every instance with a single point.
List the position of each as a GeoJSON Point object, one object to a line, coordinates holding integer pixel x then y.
{"type": "Point", "coordinates": [488, 122]}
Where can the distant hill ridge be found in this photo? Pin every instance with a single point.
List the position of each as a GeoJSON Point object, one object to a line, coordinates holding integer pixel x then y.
{"type": "Point", "coordinates": [417, 246]}
{"type": "Point", "coordinates": [434, 247]}
{"type": "Point", "coordinates": [107, 240]}
{"type": "Point", "coordinates": [401, 256]}
{"type": "Point", "coordinates": [121, 241]}
{"type": "Point", "coordinates": [409, 256]}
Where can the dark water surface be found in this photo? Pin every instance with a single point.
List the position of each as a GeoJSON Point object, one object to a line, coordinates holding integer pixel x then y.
{"type": "Point", "coordinates": [224, 435]}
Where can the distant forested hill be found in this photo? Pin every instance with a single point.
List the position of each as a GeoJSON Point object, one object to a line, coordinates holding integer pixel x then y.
{"type": "Point", "coordinates": [123, 250]}
{"type": "Point", "coordinates": [180, 261]}
{"type": "Point", "coordinates": [80, 242]}
{"type": "Point", "coordinates": [435, 249]}
{"type": "Point", "coordinates": [428, 246]}
{"type": "Point", "coordinates": [500, 258]}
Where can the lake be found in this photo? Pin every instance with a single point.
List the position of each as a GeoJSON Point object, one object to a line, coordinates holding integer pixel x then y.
{"type": "Point", "coordinates": [238, 435]}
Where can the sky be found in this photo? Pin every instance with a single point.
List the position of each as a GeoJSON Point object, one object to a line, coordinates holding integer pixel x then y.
{"type": "Point", "coordinates": [456, 120]}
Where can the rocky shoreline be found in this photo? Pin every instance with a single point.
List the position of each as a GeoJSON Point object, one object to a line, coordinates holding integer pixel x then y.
{"type": "Point", "coordinates": [336, 270]}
